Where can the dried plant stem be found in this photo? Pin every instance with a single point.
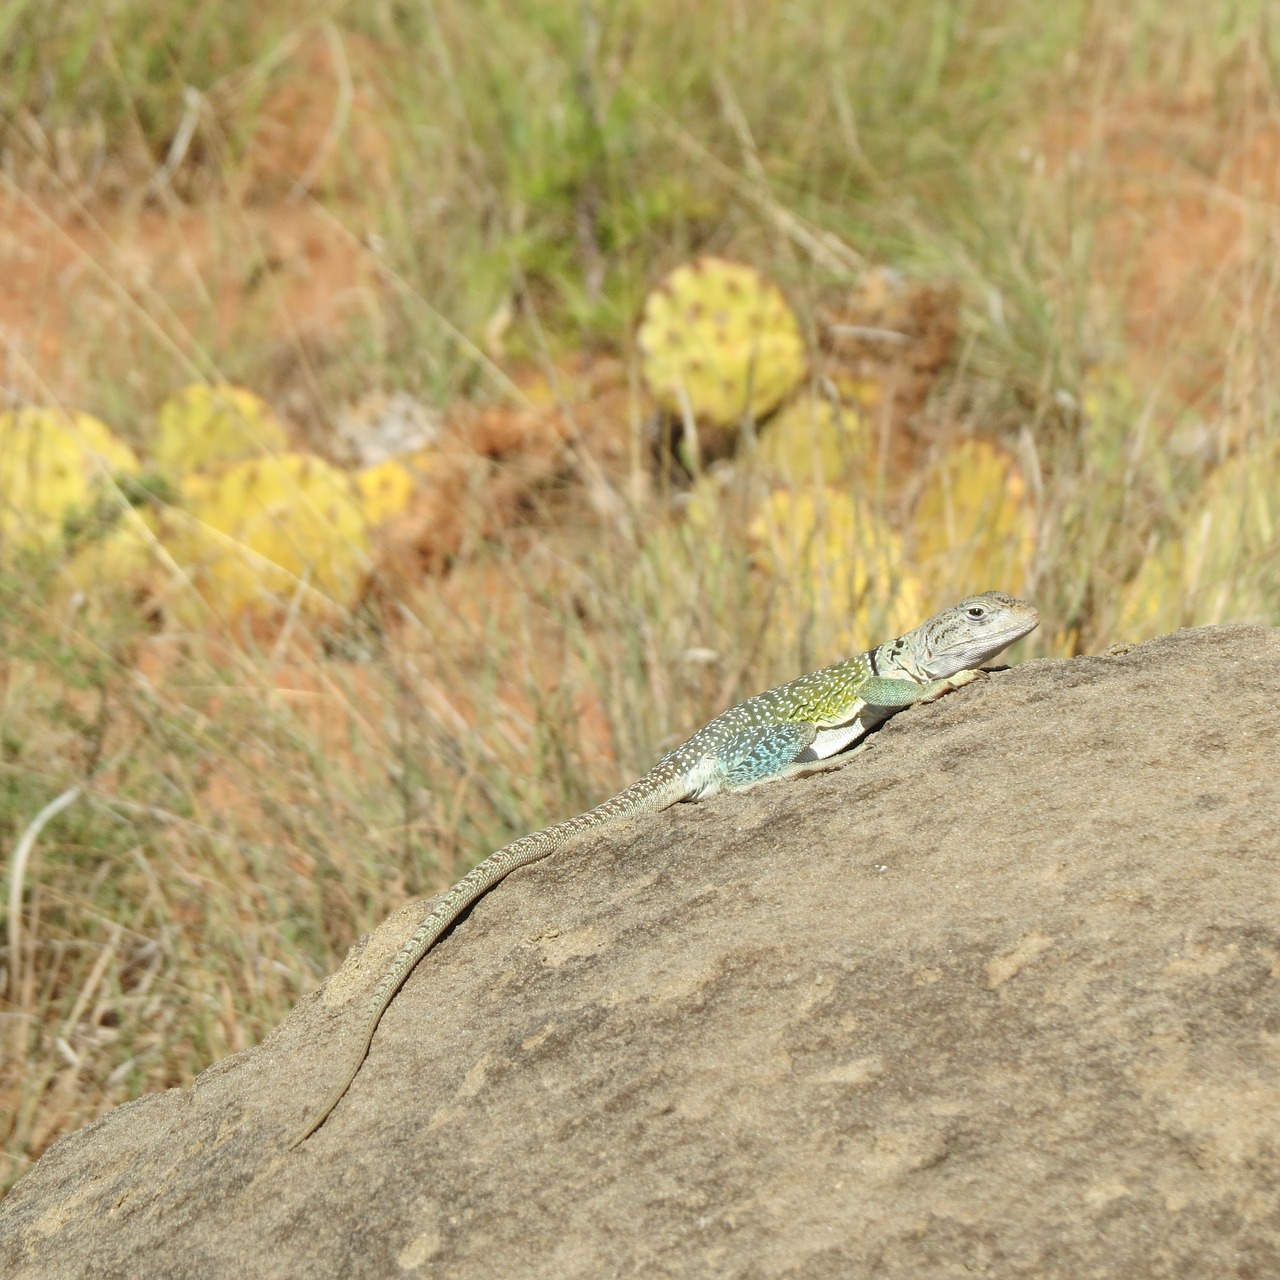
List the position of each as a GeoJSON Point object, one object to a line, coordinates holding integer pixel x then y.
{"type": "Point", "coordinates": [17, 873]}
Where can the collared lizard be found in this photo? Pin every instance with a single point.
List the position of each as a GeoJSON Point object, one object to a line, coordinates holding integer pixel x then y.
{"type": "Point", "coordinates": [797, 728]}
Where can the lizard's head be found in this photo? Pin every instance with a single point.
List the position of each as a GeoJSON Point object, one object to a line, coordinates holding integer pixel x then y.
{"type": "Point", "coordinates": [972, 632]}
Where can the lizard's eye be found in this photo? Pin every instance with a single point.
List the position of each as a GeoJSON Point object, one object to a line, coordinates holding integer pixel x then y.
{"type": "Point", "coordinates": [976, 611]}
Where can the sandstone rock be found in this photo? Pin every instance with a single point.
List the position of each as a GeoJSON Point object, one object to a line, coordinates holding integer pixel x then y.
{"type": "Point", "coordinates": [1002, 998]}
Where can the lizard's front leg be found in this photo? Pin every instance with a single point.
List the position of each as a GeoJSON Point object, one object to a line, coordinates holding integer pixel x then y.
{"type": "Point", "coordinates": [938, 688]}
{"type": "Point", "coordinates": [882, 693]}
{"type": "Point", "coordinates": [890, 694]}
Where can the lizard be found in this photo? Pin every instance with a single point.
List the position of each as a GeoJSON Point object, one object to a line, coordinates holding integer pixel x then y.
{"type": "Point", "coordinates": [804, 726]}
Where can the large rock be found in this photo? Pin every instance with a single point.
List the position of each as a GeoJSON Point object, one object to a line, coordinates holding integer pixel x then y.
{"type": "Point", "coordinates": [1002, 998]}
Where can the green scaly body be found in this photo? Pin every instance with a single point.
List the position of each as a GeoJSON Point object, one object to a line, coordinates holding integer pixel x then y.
{"type": "Point", "coordinates": [784, 732]}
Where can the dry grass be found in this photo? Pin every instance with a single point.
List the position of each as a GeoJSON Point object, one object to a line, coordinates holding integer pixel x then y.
{"type": "Point", "coordinates": [467, 202]}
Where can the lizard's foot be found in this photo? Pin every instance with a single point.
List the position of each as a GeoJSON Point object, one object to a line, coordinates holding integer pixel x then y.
{"type": "Point", "coordinates": [957, 681]}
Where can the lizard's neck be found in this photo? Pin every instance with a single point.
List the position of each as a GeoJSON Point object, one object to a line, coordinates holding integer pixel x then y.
{"type": "Point", "coordinates": [900, 657]}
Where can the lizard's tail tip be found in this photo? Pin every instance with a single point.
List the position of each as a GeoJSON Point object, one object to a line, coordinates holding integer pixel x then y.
{"type": "Point", "coordinates": [302, 1135]}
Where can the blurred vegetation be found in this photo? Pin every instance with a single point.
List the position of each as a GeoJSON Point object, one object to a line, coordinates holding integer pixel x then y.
{"type": "Point", "coordinates": [291, 679]}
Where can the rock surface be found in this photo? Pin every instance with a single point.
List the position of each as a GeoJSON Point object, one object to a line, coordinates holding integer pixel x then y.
{"type": "Point", "coordinates": [1002, 998]}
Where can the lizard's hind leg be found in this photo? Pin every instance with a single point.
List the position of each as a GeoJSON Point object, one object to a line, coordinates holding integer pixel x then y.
{"type": "Point", "coordinates": [803, 768]}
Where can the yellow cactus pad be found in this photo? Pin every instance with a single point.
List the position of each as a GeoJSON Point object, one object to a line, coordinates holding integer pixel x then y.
{"type": "Point", "coordinates": [128, 557]}
{"type": "Point", "coordinates": [718, 341]}
{"type": "Point", "coordinates": [973, 524]}
{"type": "Point", "coordinates": [721, 499]}
{"type": "Point", "coordinates": [815, 440]}
{"type": "Point", "coordinates": [1235, 521]}
{"type": "Point", "coordinates": [717, 511]}
{"type": "Point", "coordinates": [205, 426]}
{"type": "Point", "coordinates": [843, 566]}
{"type": "Point", "coordinates": [52, 465]}
{"type": "Point", "coordinates": [1153, 602]}
{"type": "Point", "coordinates": [271, 530]}
{"type": "Point", "coordinates": [1223, 567]}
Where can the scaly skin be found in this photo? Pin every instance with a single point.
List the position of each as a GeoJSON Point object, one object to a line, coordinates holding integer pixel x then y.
{"type": "Point", "coordinates": [794, 729]}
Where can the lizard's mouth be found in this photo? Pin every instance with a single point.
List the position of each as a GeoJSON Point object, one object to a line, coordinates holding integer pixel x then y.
{"type": "Point", "coordinates": [981, 649]}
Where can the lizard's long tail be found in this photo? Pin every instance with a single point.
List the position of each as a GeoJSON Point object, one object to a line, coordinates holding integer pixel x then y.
{"type": "Point", "coordinates": [647, 795]}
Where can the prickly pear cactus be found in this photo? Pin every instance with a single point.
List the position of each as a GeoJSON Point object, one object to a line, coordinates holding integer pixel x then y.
{"type": "Point", "coordinates": [717, 510]}
{"type": "Point", "coordinates": [842, 567]}
{"type": "Point", "coordinates": [127, 560]}
{"type": "Point", "coordinates": [1222, 566]}
{"type": "Point", "coordinates": [973, 523]}
{"type": "Point", "coordinates": [1153, 600]}
{"type": "Point", "coordinates": [267, 532]}
{"type": "Point", "coordinates": [53, 467]}
{"type": "Point", "coordinates": [1232, 535]}
{"type": "Point", "coordinates": [814, 440]}
{"type": "Point", "coordinates": [205, 426]}
{"type": "Point", "coordinates": [718, 343]}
